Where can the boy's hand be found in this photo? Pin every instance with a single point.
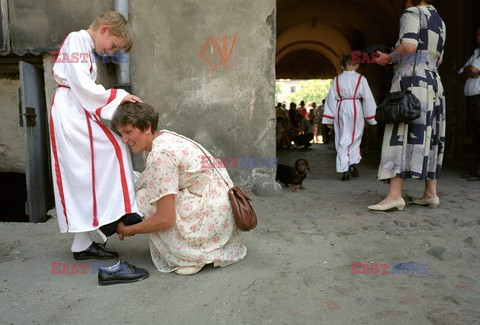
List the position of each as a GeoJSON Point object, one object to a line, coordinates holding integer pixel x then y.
{"type": "Point", "coordinates": [131, 99]}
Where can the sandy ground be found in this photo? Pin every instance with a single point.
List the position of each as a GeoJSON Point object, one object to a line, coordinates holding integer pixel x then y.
{"type": "Point", "coordinates": [298, 267]}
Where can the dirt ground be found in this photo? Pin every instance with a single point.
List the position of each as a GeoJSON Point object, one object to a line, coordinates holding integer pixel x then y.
{"type": "Point", "coordinates": [297, 270]}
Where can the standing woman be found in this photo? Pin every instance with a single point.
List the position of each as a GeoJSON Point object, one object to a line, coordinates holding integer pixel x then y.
{"type": "Point", "coordinates": [415, 150]}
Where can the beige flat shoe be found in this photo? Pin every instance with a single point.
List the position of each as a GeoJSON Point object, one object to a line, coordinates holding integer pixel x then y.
{"type": "Point", "coordinates": [397, 204]}
{"type": "Point", "coordinates": [433, 202]}
{"type": "Point", "coordinates": [188, 270]}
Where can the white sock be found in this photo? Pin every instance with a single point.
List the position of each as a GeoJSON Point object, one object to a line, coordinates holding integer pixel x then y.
{"type": "Point", "coordinates": [102, 235]}
{"type": "Point", "coordinates": [81, 242]}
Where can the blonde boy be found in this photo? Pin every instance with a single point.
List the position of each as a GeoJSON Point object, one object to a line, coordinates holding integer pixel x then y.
{"type": "Point", "coordinates": [91, 167]}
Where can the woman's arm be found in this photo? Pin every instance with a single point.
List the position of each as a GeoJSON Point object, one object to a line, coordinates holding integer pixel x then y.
{"type": "Point", "coordinates": [397, 54]}
{"type": "Point", "coordinates": [440, 60]}
{"type": "Point", "coordinates": [162, 219]}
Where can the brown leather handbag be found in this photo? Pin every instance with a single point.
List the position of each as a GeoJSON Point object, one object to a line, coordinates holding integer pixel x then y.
{"type": "Point", "coordinates": [245, 216]}
{"type": "Point", "coordinates": [243, 213]}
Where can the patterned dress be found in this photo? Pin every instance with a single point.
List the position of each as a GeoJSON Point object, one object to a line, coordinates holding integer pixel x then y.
{"type": "Point", "coordinates": [416, 150]}
{"type": "Point", "coordinates": [204, 230]}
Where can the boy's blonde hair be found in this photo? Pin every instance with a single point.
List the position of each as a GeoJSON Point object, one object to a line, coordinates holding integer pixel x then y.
{"type": "Point", "coordinates": [347, 60]}
{"type": "Point", "coordinates": [118, 27]}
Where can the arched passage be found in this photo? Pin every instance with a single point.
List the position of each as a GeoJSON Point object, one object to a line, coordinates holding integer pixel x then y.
{"type": "Point", "coordinates": [313, 35]}
{"type": "Point", "coordinates": [332, 29]}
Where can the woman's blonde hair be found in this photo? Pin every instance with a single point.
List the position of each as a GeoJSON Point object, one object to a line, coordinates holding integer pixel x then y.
{"type": "Point", "coordinates": [119, 27]}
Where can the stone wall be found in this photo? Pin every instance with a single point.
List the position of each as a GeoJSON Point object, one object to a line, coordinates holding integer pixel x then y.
{"type": "Point", "coordinates": [38, 26]}
{"type": "Point", "coordinates": [208, 68]}
{"type": "Point", "coordinates": [11, 137]}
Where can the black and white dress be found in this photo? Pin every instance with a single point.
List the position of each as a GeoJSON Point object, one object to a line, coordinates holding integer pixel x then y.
{"type": "Point", "coordinates": [416, 150]}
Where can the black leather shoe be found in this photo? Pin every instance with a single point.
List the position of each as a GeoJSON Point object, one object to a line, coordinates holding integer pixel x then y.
{"type": "Point", "coordinates": [95, 251]}
{"type": "Point", "coordinates": [128, 219]}
{"type": "Point", "coordinates": [122, 272]}
{"type": "Point", "coordinates": [346, 176]}
{"type": "Point", "coordinates": [131, 219]}
{"type": "Point", "coordinates": [353, 171]}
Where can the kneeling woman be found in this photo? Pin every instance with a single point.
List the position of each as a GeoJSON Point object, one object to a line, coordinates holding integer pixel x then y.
{"type": "Point", "coordinates": [186, 209]}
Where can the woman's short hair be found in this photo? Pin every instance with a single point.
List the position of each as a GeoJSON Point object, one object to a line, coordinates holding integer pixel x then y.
{"type": "Point", "coordinates": [119, 27]}
{"type": "Point", "coordinates": [138, 115]}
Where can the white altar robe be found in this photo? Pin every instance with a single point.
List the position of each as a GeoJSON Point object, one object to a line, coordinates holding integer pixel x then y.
{"type": "Point", "coordinates": [348, 104]}
{"type": "Point", "coordinates": [91, 166]}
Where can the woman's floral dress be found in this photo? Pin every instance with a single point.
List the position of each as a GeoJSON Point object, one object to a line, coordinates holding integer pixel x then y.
{"type": "Point", "coordinates": [204, 230]}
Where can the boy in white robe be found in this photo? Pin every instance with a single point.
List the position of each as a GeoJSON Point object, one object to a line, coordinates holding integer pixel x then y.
{"type": "Point", "coordinates": [348, 103]}
{"type": "Point", "coordinates": [91, 166]}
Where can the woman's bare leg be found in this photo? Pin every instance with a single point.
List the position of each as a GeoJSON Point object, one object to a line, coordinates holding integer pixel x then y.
{"type": "Point", "coordinates": [430, 189]}
{"type": "Point", "coordinates": [394, 190]}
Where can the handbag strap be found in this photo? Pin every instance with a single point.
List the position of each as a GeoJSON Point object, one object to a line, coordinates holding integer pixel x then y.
{"type": "Point", "coordinates": [199, 147]}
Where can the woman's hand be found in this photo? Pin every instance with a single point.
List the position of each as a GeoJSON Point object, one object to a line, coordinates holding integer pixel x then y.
{"type": "Point", "coordinates": [131, 99]}
{"type": "Point", "coordinates": [382, 59]}
{"type": "Point", "coordinates": [163, 219]}
{"type": "Point", "coordinates": [123, 231]}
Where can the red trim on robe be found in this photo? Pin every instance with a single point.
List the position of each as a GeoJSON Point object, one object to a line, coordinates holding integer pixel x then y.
{"type": "Point", "coordinates": [118, 153]}
{"type": "Point", "coordinates": [91, 64]}
{"type": "Point", "coordinates": [339, 104]}
{"type": "Point", "coordinates": [354, 113]}
{"type": "Point", "coordinates": [58, 173]}
{"type": "Point", "coordinates": [113, 95]}
{"type": "Point", "coordinates": [92, 158]}
{"type": "Point", "coordinates": [370, 117]}
{"type": "Point", "coordinates": [328, 116]}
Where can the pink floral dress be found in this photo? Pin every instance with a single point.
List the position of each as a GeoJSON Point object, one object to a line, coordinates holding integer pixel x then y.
{"type": "Point", "coordinates": [204, 230]}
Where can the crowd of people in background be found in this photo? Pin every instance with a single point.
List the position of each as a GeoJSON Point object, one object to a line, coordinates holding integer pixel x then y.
{"type": "Point", "coordinates": [299, 127]}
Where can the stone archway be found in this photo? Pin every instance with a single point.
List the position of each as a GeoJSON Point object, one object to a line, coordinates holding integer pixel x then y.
{"type": "Point", "coordinates": [332, 29]}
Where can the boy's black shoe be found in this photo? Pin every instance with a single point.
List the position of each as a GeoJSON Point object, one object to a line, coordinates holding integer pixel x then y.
{"type": "Point", "coordinates": [131, 219]}
{"type": "Point", "coordinates": [95, 251]}
{"type": "Point", "coordinates": [122, 272]}
{"type": "Point", "coordinates": [353, 171]}
{"type": "Point", "coordinates": [128, 220]}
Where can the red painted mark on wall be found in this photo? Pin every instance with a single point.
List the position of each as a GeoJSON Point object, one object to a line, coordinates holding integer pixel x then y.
{"type": "Point", "coordinates": [216, 54]}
